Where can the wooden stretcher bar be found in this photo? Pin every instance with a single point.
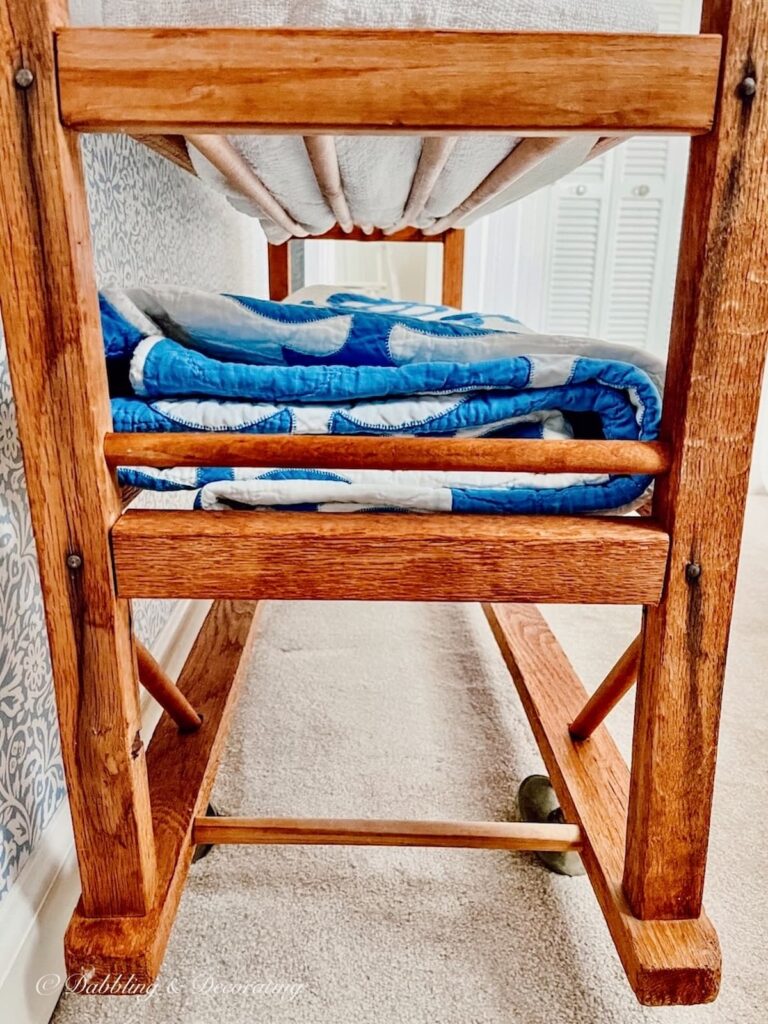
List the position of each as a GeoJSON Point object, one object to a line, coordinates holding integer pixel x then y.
{"type": "Point", "coordinates": [315, 81]}
{"type": "Point", "coordinates": [380, 557]}
{"type": "Point", "coordinates": [515, 836]}
{"type": "Point", "coordinates": [137, 813]}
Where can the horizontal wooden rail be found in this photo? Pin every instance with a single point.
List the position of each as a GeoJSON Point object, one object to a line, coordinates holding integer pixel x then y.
{"type": "Point", "coordinates": [328, 452]}
{"type": "Point", "coordinates": [310, 81]}
{"type": "Point", "coordinates": [325, 556]}
{"type": "Point", "coordinates": [480, 835]}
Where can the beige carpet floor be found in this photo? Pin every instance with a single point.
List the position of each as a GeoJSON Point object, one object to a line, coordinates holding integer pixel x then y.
{"type": "Point", "coordinates": [398, 711]}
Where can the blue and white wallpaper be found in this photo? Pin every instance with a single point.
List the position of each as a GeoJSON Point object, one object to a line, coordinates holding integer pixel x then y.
{"type": "Point", "coordinates": [151, 222]}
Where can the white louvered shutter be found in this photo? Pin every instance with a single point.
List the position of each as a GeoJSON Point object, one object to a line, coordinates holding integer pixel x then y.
{"type": "Point", "coordinates": [612, 227]}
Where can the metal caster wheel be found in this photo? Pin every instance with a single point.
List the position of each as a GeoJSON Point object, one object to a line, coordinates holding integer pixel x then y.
{"type": "Point", "coordinates": [212, 811]}
{"type": "Point", "coordinates": [536, 802]}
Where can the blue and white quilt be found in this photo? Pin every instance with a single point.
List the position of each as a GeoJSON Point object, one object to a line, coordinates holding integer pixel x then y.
{"type": "Point", "coordinates": [184, 360]}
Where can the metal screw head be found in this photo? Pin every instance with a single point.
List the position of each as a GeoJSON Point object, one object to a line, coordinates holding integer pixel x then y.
{"type": "Point", "coordinates": [74, 561]}
{"type": "Point", "coordinates": [748, 86]}
{"type": "Point", "coordinates": [692, 571]}
{"type": "Point", "coordinates": [23, 78]}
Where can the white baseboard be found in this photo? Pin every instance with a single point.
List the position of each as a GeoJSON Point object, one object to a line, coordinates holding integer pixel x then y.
{"type": "Point", "coordinates": [35, 912]}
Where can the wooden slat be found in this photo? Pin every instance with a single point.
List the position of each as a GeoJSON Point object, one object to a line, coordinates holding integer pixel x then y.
{"type": "Point", "coordinates": [318, 556]}
{"type": "Point", "coordinates": [181, 771]}
{"type": "Point", "coordinates": [312, 81]}
{"type": "Point", "coordinates": [478, 835]}
{"type": "Point", "coordinates": [666, 961]}
{"type": "Point", "coordinates": [716, 359]}
{"type": "Point", "coordinates": [56, 356]}
{"type": "Point", "coordinates": [359, 452]}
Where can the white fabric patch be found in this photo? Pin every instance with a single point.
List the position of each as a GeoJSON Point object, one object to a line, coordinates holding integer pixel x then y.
{"type": "Point", "coordinates": [202, 414]}
{"type": "Point", "coordinates": [223, 318]}
{"type": "Point", "coordinates": [550, 371]}
{"type": "Point", "coordinates": [138, 359]}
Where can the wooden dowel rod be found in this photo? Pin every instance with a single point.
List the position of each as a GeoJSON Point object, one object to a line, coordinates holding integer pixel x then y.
{"type": "Point", "coordinates": [361, 452]}
{"type": "Point", "coordinates": [486, 835]}
{"type": "Point", "coordinates": [167, 694]}
{"type": "Point", "coordinates": [616, 684]}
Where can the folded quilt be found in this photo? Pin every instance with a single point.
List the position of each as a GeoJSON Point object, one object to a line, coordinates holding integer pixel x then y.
{"type": "Point", "coordinates": [183, 360]}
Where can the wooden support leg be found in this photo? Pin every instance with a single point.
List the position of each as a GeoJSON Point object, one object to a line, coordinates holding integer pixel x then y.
{"type": "Point", "coordinates": [453, 268]}
{"type": "Point", "coordinates": [279, 259]}
{"type": "Point", "coordinates": [56, 358]}
{"type": "Point", "coordinates": [719, 327]}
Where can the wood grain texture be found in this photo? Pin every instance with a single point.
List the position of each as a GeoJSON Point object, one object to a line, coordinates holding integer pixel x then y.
{"type": "Point", "coordinates": [616, 685]}
{"type": "Point", "coordinates": [478, 835]}
{"type": "Point", "coordinates": [181, 770]}
{"type": "Point", "coordinates": [56, 359]}
{"type": "Point", "coordinates": [279, 269]}
{"type": "Point", "coordinates": [453, 268]}
{"type": "Point", "coordinates": [315, 81]}
{"type": "Point", "coordinates": [667, 962]}
{"type": "Point", "coordinates": [159, 685]}
{"type": "Point", "coordinates": [351, 452]}
{"type": "Point", "coordinates": [372, 557]}
{"type": "Point", "coordinates": [716, 359]}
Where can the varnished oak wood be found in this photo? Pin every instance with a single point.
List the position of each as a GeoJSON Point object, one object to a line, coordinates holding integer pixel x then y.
{"type": "Point", "coordinates": [181, 771]}
{"type": "Point", "coordinates": [431, 557]}
{"type": "Point", "coordinates": [453, 268]}
{"type": "Point", "coordinates": [479, 835]}
{"type": "Point", "coordinates": [279, 269]}
{"type": "Point", "coordinates": [315, 81]}
{"type": "Point", "coordinates": [329, 452]}
{"type": "Point", "coordinates": [715, 368]}
{"type": "Point", "coordinates": [667, 962]}
{"type": "Point", "coordinates": [56, 359]}
{"type": "Point", "coordinates": [159, 685]}
{"type": "Point", "coordinates": [616, 685]}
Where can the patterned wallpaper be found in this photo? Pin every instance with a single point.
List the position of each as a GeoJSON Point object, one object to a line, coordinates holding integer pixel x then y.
{"type": "Point", "coordinates": [151, 222]}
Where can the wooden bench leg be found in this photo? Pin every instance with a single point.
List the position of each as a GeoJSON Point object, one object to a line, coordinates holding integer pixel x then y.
{"type": "Point", "coordinates": [56, 358]}
{"type": "Point", "coordinates": [720, 326]}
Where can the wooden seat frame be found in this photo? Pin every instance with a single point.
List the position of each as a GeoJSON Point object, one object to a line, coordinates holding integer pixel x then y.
{"type": "Point", "coordinates": [137, 812]}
